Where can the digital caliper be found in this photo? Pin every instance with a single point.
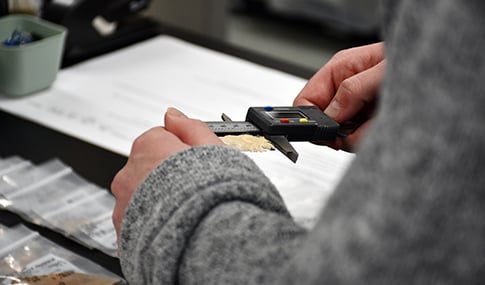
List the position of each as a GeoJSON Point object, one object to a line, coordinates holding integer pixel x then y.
{"type": "Point", "coordinates": [280, 125]}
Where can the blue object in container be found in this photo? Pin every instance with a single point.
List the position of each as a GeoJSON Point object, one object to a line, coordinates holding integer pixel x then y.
{"type": "Point", "coordinates": [19, 37]}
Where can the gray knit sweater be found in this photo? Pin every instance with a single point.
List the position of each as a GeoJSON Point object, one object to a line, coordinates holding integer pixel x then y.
{"type": "Point", "coordinates": [410, 209]}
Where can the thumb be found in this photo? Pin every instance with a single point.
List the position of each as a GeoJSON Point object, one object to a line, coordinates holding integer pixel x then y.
{"type": "Point", "coordinates": [190, 131]}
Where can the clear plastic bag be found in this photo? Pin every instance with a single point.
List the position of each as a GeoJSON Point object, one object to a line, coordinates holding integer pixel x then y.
{"type": "Point", "coordinates": [54, 196]}
{"type": "Point", "coordinates": [88, 221]}
{"type": "Point", "coordinates": [11, 162]}
{"type": "Point", "coordinates": [25, 253]}
{"type": "Point", "coordinates": [102, 232]}
{"type": "Point", "coordinates": [24, 179]}
{"type": "Point", "coordinates": [58, 193]}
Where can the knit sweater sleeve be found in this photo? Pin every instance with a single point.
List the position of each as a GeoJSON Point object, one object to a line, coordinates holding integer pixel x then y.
{"type": "Point", "coordinates": [410, 209]}
{"type": "Point", "coordinates": [215, 186]}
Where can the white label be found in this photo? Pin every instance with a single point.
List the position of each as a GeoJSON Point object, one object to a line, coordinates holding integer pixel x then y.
{"type": "Point", "coordinates": [49, 264]}
{"type": "Point", "coordinates": [102, 231]}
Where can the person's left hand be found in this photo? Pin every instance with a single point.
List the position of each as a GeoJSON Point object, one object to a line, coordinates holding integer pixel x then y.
{"type": "Point", "coordinates": [153, 147]}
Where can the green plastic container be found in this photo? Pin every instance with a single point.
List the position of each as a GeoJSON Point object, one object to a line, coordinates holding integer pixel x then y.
{"type": "Point", "coordinates": [31, 67]}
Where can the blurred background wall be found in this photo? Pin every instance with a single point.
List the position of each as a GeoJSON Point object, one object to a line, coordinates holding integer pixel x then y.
{"type": "Point", "coordinates": [303, 32]}
{"type": "Point", "coordinates": [202, 16]}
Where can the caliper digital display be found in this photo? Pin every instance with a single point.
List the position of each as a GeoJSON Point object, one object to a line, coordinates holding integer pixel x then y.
{"type": "Point", "coordinates": [302, 123]}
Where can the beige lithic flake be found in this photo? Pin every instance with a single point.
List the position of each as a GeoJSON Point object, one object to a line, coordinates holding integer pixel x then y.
{"type": "Point", "coordinates": [248, 143]}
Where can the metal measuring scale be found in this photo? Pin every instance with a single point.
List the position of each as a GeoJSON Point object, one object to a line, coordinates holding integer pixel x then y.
{"type": "Point", "coordinates": [280, 125]}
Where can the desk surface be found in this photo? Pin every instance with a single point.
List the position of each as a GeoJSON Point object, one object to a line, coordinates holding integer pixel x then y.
{"type": "Point", "coordinates": [38, 143]}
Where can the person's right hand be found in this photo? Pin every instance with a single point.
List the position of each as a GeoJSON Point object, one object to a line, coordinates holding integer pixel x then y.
{"type": "Point", "coordinates": [153, 147]}
{"type": "Point", "coordinates": [346, 89]}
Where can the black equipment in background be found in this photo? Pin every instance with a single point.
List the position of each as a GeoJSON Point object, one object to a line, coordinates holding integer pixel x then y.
{"type": "Point", "coordinates": [96, 27]}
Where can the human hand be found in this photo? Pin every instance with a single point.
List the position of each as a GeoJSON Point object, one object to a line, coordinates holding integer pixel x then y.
{"type": "Point", "coordinates": [153, 147]}
{"type": "Point", "coordinates": [346, 89]}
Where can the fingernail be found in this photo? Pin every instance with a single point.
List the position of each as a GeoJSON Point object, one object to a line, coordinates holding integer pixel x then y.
{"type": "Point", "coordinates": [175, 112]}
{"type": "Point", "coordinates": [333, 109]}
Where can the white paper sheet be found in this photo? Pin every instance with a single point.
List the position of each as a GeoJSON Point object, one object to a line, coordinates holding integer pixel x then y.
{"type": "Point", "coordinates": [110, 100]}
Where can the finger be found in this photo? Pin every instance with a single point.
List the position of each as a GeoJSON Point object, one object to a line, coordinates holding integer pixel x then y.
{"type": "Point", "coordinates": [352, 61]}
{"type": "Point", "coordinates": [155, 145]}
{"type": "Point", "coordinates": [321, 88]}
{"type": "Point", "coordinates": [190, 131]}
{"type": "Point", "coordinates": [355, 92]}
{"type": "Point", "coordinates": [350, 141]}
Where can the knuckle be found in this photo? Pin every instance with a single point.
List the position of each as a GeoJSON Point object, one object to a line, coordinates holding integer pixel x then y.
{"type": "Point", "coordinates": [116, 183]}
{"type": "Point", "coordinates": [339, 55]}
{"type": "Point", "coordinates": [115, 186]}
{"type": "Point", "coordinates": [141, 141]}
{"type": "Point", "coordinates": [138, 144]}
{"type": "Point", "coordinates": [349, 88]}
